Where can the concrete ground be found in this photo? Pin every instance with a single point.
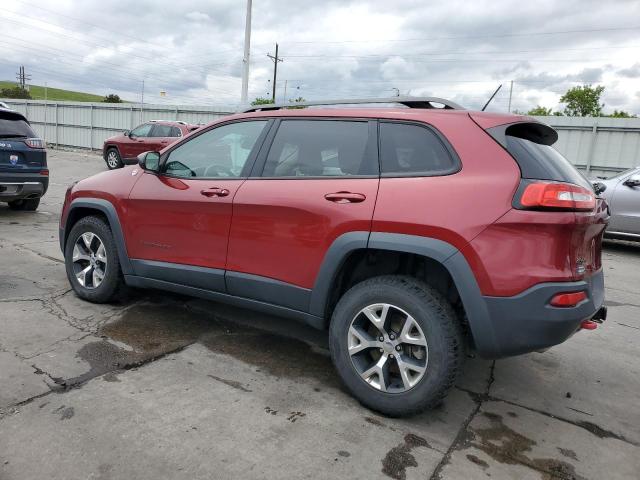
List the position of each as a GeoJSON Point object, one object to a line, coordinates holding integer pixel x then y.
{"type": "Point", "coordinates": [166, 387]}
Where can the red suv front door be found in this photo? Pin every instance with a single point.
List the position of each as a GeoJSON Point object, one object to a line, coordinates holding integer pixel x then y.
{"type": "Point", "coordinates": [318, 180]}
{"type": "Point", "coordinates": [182, 215]}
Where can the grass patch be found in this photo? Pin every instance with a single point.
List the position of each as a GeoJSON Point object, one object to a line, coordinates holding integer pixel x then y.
{"type": "Point", "coordinates": [56, 94]}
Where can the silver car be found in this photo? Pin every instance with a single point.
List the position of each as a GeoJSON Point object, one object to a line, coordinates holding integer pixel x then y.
{"type": "Point", "coordinates": [622, 193]}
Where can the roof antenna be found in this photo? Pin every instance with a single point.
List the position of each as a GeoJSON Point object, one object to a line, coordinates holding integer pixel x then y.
{"type": "Point", "coordinates": [489, 101]}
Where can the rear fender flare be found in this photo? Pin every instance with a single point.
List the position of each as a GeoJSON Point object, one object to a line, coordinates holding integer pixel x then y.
{"type": "Point", "coordinates": [443, 252]}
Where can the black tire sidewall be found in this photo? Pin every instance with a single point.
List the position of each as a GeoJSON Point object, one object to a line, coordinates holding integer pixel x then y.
{"type": "Point", "coordinates": [112, 278]}
{"type": "Point", "coordinates": [25, 204]}
{"type": "Point", "coordinates": [434, 317]}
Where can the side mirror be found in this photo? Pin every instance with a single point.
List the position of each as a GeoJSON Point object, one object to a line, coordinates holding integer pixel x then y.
{"type": "Point", "coordinates": [633, 181]}
{"type": "Point", "coordinates": [126, 133]}
{"type": "Point", "coordinates": [599, 187]}
{"type": "Point", "coordinates": [149, 161]}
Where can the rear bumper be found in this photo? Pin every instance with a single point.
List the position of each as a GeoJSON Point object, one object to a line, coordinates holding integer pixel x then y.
{"type": "Point", "coordinates": [17, 186]}
{"type": "Point", "coordinates": [526, 322]}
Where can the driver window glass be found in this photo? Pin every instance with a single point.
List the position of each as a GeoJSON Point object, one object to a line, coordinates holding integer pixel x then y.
{"type": "Point", "coordinates": [142, 130]}
{"type": "Point", "coordinates": [221, 152]}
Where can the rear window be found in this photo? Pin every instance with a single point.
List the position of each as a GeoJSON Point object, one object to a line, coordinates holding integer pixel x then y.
{"type": "Point", "coordinates": [530, 146]}
{"type": "Point", "coordinates": [15, 127]}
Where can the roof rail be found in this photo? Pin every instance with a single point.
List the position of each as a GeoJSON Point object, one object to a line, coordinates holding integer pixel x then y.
{"type": "Point", "coordinates": [411, 102]}
{"type": "Point", "coordinates": [181, 122]}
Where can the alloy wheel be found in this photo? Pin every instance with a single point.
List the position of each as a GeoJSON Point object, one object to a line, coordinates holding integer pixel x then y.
{"type": "Point", "coordinates": [112, 159]}
{"type": "Point", "coordinates": [89, 260]}
{"type": "Point", "coordinates": [387, 348]}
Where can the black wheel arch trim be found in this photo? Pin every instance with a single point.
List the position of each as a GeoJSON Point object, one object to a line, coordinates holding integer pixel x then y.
{"type": "Point", "coordinates": [445, 253]}
{"type": "Point", "coordinates": [105, 207]}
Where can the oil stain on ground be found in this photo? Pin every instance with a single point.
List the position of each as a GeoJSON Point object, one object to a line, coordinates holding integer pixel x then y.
{"type": "Point", "coordinates": [149, 331]}
{"type": "Point", "coordinates": [398, 459]}
{"type": "Point", "coordinates": [507, 446]}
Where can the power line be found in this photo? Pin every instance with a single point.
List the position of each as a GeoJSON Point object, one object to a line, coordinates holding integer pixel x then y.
{"type": "Point", "coordinates": [500, 35]}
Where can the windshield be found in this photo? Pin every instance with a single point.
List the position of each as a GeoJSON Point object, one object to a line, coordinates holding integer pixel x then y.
{"type": "Point", "coordinates": [11, 128]}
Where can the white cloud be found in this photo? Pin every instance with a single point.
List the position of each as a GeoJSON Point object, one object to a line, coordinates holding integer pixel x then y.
{"type": "Point", "coordinates": [198, 17]}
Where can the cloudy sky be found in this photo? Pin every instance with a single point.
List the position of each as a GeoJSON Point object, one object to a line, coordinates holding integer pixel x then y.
{"type": "Point", "coordinates": [192, 49]}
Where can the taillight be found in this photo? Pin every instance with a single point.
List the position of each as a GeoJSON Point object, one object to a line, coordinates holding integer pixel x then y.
{"type": "Point", "coordinates": [34, 142]}
{"type": "Point", "coordinates": [44, 172]}
{"type": "Point", "coordinates": [544, 195]}
{"type": "Point", "coordinates": [566, 300]}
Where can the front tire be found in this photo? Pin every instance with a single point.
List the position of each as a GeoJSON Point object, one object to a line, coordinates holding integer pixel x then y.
{"type": "Point", "coordinates": [91, 261]}
{"type": "Point", "coordinates": [25, 204]}
{"type": "Point", "coordinates": [397, 344]}
{"type": "Point", "coordinates": [113, 159]}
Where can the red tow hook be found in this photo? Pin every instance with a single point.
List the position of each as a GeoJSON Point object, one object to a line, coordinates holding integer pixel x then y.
{"type": "Point", "coordinates": [588, 325]}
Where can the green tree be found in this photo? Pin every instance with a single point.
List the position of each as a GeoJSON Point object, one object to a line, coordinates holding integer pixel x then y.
{"type": "Point", "coordinates": [261, 101]}
{"type": "Point", "coordinates": [583, 101]}
{"type": "Point", "coordinates": [621, 114]}
{"type": "Point", "coordinates": [296, 100]}
{"type": "Point", "coordinates": [15, 92]}
{"type": "Point", "coordinates": [540, 111]}
{"type": "Point", "coordinates": [112, 98]}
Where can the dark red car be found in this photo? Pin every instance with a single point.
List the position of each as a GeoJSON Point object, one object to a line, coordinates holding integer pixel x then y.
{"type": "Point", "coordinates": [409, 234]}
{"type": "Point", "coordinates": [151, 136]}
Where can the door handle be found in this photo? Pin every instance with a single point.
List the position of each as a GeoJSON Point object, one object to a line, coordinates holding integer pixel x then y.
{"type": "Point", "coordinates": [215, 192]}
{"type": "Point", "coordinates": [345, 197]}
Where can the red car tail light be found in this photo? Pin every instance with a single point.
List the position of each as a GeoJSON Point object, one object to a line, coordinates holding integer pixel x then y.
{"type": "Point", "coordinates": [566, 300]}
{"type": "Point", "coordinates": [35, 142]}
{"type": "Point", "coordinates": [542, 195]}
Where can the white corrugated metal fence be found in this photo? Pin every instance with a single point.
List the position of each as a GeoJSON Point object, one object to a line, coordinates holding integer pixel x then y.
{"type": "Point", "coordinates": [600, 146]}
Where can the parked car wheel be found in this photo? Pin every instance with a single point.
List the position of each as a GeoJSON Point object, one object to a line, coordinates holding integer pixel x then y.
{"type": "Point", "coordinates": [91, 260]}
{"type": "Point", "coordinates": [397, 344]}
{"type": "Point", "coordinates": [113, 159]}
{"type": "Point", "coordinates": [25, 204]}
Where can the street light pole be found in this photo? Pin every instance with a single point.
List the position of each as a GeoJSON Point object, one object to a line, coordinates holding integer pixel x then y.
{"type": "Point", "coordinates": [247, 53]}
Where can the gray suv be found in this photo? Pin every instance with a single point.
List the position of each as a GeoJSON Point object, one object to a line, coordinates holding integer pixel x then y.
{"type": "Point", "coordinates": [622, 193]}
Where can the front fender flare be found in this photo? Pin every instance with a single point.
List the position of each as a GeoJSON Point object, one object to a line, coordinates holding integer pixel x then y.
{"type": "Point", "coordinates": [107, 208]}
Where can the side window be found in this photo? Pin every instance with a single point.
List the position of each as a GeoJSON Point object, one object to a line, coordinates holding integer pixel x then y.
{"type": "Point", "coordinates": [314, 148]}
{"type": "Point", "coordinates": [142, 130]}
{"type": "Point", "coordinates": [407, 149]}
{"type": "Point", "coordinates": [175, 132]}
{"type": "Point", "coordinates": [220, 152]}
{"type": "Point", "coordinates": [161, 131]}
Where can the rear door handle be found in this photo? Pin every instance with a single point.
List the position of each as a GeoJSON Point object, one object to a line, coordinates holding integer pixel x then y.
{"type": "Point", "coordinates": [345, 197]}
{"type": "Point", "coordinates": [215, 192]}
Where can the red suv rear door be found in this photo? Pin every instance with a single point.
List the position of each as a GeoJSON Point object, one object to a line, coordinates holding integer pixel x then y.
{"type": "Point", "coordinates": [181, 216]}
{"type": "Point", "coordinates": [315, 179]}
{"type": "Point", "coordinates": [162, 135]}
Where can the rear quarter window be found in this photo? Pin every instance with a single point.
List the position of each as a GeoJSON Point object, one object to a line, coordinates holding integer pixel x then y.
{"type": "Point", "coordinates": [414, 150]}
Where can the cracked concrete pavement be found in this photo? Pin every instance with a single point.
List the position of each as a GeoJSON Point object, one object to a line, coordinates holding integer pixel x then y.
{"type": "Point", "coordinates": [164, 386]}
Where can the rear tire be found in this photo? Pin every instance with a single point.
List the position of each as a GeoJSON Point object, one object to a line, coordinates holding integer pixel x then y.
{"type": "Point", "coordinates": [423, 345]}
{"type": "Point", "coordinates": [25, 204]}
{"type": "Point", "coordinates": [91, 249]}
{"type": "Point", "coordinates": [113, 159]}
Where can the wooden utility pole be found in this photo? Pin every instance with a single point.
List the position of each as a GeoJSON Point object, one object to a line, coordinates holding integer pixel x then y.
{"type": "Point", "coordinates": [275, 72]}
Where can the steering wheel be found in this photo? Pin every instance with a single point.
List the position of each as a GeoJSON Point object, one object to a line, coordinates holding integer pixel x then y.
{"type": "Point", "coordinates": [176, 165]}
{"type": "Point", "coordinates": [216, 170]}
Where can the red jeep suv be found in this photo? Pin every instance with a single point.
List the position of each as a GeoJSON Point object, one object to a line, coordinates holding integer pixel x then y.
{"type": "Point", "coordinates": [151, 136]}
{"type": "Point", "coordinates": [409, 234]}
